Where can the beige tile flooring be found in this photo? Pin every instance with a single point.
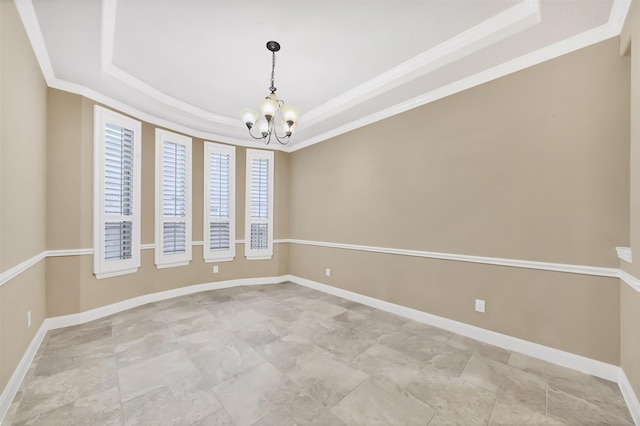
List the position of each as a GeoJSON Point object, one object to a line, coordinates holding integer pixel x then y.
{"type": "Point", "coordinates": [283, 355]}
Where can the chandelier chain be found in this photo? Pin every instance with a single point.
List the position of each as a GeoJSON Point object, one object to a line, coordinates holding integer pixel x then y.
{"type": "Point", "coordinates": [273, 70]}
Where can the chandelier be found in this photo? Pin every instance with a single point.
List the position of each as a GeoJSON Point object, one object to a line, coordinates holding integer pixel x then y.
{"type": "Point", "coordinates": [270, 106]}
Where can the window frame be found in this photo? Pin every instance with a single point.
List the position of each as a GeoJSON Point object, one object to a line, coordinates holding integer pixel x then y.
{"type": "Point", "coordinates": [219, 255]}
{"type": "Point", "coordinates": [101, 267]}
{"type": "Point", "coordinates": [267, 253]}
{"type": "Point", "coordinates": [163, 260]}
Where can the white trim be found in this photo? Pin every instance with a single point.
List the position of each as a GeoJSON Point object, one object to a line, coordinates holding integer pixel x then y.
{"type": "Point", "coordinates": [528, 264]}
{"type": "Point", "coordinates": [630, 396]}
{"type": "Point", "coordinates": [13, 272]}
{"type": "Point", "coordinates": [32, 26]}
{"type": "Point", "coordinates": [546, 353]}
{"type": "Point", "coordinates": [109, 13]}
{"type": "Point", "coordinates": [30, 21]}
{"type": "Point", "coordinates": [103, 268]}
{"type": "Point", "coordinates": [68, 252]}
{"type": "Point", "coordinates": [632, 281]}
{"type": "Point", "coordinates": [516, 263]}
{"type": "Point", "coordinates": [560, 48]}
{"type": "Point", "coordinates": [617, 16]}
{"type": "Point", "coordinates": [20, 372]}
{"type": "Point", "coordinates": [105, 311]}
{"type": "Point", "coordinates": [515, 19]}
{"type": "Point", "coordinates": [624, 253]}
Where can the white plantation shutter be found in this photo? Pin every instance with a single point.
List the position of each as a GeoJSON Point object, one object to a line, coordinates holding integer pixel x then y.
{"type": "Point", "coordinates": [173, 199]}
{"type": "Point", "coordinates": [219, 203]}
{"type": "Point", "coordinates": [259, 205]}
{"type": "Point", "coordinates": [116, 193]}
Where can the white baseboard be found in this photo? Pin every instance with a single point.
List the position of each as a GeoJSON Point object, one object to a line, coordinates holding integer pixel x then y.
{"type": "Point", "coordinates": [20, 372]}
{"type": "Point", "coordinates": [629, 396]}
{"type": "Point", "coordinates": [104, 311]}
{"type": "Point", "coordinates": [546, 353]}
{"type": "Point", "coordinates": [556, 356]}
{"type": "Point", "coordinates": [75, 319]}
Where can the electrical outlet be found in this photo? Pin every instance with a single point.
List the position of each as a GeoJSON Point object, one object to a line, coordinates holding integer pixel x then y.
{"type": "Point", "coordinates": [328, 272]}
{"type": "Point", "coordinates": [215, 269]}
{"type": "Point", "coordinates": [28, 318]}
{"type": "Point", "coordinates": [480, 305]}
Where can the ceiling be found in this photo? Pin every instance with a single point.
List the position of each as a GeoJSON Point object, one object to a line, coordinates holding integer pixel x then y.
{"type": "Point", "coordinates": [191, 65]}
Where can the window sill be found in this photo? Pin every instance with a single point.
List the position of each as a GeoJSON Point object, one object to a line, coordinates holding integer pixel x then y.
{"type": "Point", "coordinates": [116, 273]}
{"type": "Point", "coordinates": [219, 259]}
{"type": "Point", "coordinates": [268, 257]}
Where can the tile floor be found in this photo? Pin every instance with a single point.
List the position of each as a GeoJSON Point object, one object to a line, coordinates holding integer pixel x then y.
{"type": "Point", "coordinates": [285, 354]}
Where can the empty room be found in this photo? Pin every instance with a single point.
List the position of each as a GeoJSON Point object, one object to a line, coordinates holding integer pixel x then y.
{"type": "Point", "coordinates": [376, 212]}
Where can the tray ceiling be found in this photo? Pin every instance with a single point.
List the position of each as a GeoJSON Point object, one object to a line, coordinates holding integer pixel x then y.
{"type": "Point", "coordinates": [191, 65]}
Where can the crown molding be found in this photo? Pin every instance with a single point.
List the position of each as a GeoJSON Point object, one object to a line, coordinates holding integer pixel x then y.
{"type": "Point", "coordinates": [109, 9]}
{"type": "Point", "coordinates": [618, 15]}
{"type": "Point", "coordinates": [511, 21]}
{"type": "Point", "coordinates": [517, 18]}
{"type": "Point", "coordinates": [32, 27]}
{"type": "Point", "coordinates": [563, 47]}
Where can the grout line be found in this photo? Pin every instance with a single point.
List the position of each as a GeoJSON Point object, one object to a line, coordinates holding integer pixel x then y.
{"type": "Point", "coordinates": [495, 401]}
{"type": "Point", "coordinates": [115, 361]}
{"type": "Point", "coordinates": [546, 399]}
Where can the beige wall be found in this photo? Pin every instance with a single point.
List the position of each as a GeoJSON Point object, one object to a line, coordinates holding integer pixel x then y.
{"type": "Point", "coordinates": [22, 188]}
{"type": "Point", "coordinates": [572, 312]}
{"type": "Point", "coordinates": [24, 293]}
{"type": "Point", "coordinates": [531, 166]}
{"type": "Point", "coordinates": [629, 298]}
{"type": "Point", "coordinates": [71, 286]}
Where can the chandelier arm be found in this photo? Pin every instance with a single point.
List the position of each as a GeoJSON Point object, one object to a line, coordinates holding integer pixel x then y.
{"type": "Point", "coordinates": [285, 138]}
{"type": "Point", "coordinates": [255, 137]}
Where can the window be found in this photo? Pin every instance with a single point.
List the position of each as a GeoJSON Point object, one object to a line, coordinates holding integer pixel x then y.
{"type": "Point", "coordinates": [173, 199]}
{"type": "Point", "coordinates": [219, 242]}
{"type": "Point", "coordinates": [259, 205]}
{"type": "Point", "coordinates": [116, 227]}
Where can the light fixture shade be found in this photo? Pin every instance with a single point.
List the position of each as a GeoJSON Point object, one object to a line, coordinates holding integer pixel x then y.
{"type": "Point", "coordinates": [249, 116]}
{"type": "Point", "coordinates": [263, 127]}
{"type": "Point", "coordinates": [290, 113]}
{"type": "Point", "coordinates": [268, 107]}
{"type": "Point", "coordinates": [286, 128]}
